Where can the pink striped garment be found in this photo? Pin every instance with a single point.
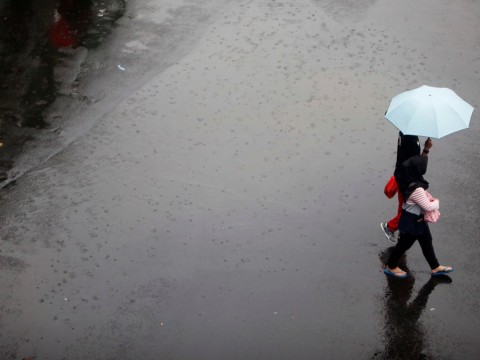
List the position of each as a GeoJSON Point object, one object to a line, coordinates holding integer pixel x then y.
{"type": "Point", "coordinates": [423, 199]}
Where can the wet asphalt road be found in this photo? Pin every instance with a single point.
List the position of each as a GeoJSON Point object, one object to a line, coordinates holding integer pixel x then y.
{"type": "Point", "coordinates": [225, 204]}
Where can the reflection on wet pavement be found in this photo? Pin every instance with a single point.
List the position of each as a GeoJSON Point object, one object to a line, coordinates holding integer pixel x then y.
{"type": "Point", "coordinates": [40, 40]}
{"type": "Point", "coordinates": [405, 337]}
{"type": "Point", "coordinates": [227, 205]}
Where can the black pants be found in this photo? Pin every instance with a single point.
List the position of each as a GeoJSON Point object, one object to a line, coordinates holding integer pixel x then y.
{"type": "Point", "coordinates": [405, 242]}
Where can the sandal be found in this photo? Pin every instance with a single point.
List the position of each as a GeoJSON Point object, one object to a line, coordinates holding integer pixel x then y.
{"type": "Point", "coordinates": [398, 274]}
{"type": "Point", "coordinates": [446, 270]}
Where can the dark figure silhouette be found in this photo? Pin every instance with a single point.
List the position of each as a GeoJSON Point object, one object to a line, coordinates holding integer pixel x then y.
{"type": "Point", "coordinates": [405, 337]}
{"type": "Point", "coordinates": [39, 41]}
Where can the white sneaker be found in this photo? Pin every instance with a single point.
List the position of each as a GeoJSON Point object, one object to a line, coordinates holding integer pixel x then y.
{"type": "Point", "coordinates": [388, 233]}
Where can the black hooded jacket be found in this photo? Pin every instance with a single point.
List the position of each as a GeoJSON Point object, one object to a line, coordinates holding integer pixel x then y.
{"type": "Point", "coordinates": [408, 146]}
{"type": "Point", "coordinates": [410, 175]}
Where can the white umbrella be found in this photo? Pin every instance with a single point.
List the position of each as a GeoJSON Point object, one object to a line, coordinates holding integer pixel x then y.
{"type": "Point", "coordinates": [429, 111]}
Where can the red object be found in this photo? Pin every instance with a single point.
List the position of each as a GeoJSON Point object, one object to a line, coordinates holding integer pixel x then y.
{"type": "Point", "coordinates": [391, 188]}
{"type": "Point", "coordinates": [60, 34]}
{"type": "Point", "coordinates": [393, 223]}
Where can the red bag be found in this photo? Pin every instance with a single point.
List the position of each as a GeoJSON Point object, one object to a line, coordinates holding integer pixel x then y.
{"type": "Point", "coordinates": [391, 188]}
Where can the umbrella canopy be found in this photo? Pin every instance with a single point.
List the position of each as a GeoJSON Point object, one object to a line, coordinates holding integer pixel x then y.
{"type": "Point", "coordinates": [429, 111]}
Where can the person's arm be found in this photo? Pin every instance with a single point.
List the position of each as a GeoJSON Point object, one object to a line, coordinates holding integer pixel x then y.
{"type": "Point", "coordinates": [426, 147]}
{"type": "Point", "coordinates": [429, 196]}
{"type": "Point", "coordinates": [420, 198]}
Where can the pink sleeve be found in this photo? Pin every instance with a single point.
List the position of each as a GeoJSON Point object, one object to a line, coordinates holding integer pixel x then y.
{"type": "Point", "coordinates": [420, 197]}
{"type": "Point", "coordinates": [429, 196]}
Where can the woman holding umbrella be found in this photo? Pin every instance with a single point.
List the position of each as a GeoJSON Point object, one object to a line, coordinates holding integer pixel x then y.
{"type": "Point", "coordinates": [407, 146]}
{"type": "Point", "coordinates": [424, 111]}
{"type": "Point", "coordinates": [412, 225]}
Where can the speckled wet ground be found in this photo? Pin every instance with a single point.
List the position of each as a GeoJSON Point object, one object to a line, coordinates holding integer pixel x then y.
{"type": "Point", "coordinates": [227, 205]}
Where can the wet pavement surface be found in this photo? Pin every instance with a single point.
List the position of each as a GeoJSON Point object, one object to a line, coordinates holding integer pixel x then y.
{"type": "Point", "coordinates": [44, 59]}
{"type": "Point", "coordinates": [209, 185]}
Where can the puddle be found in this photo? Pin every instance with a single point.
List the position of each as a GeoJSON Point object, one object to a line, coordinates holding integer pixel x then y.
{"type": "Point", "coordinates": [43, 47]}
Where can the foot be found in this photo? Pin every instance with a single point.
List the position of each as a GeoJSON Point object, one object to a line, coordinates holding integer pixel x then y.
{"type": "Point", "coordinates": [442, 270]}
{"type": "Point", "coordinates": [388, 233]}
{"type": "Point", "coordinates": [396, 272]}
